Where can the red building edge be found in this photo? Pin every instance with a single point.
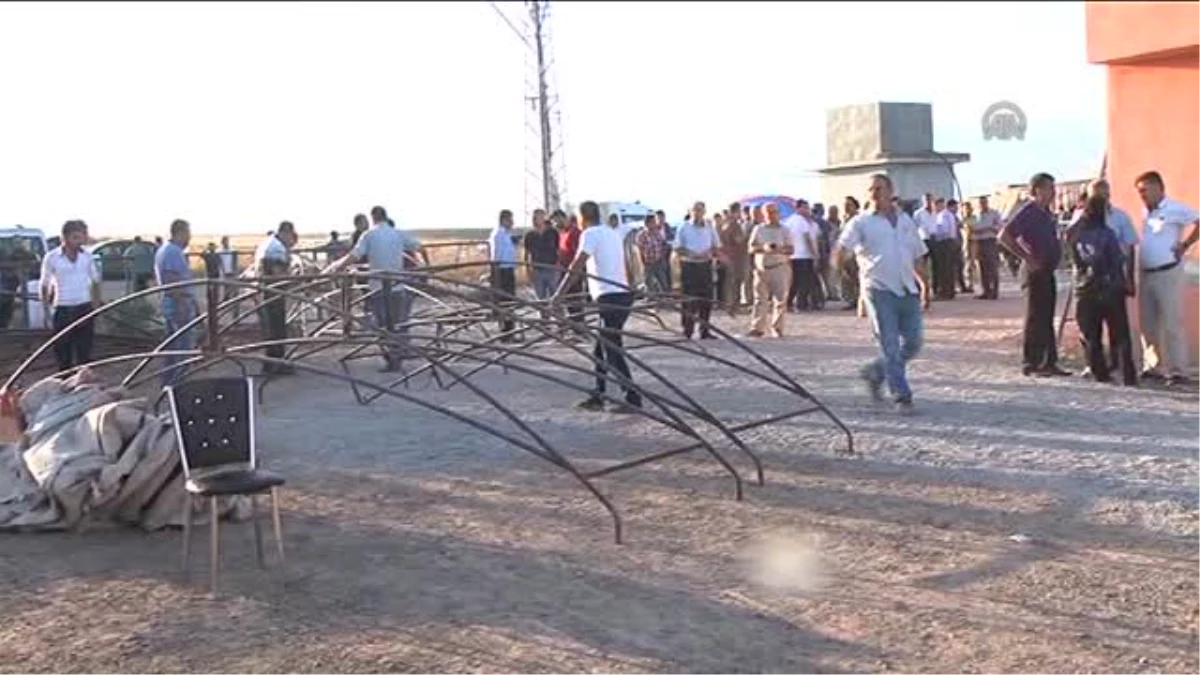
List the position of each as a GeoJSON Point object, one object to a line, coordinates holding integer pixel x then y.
{"type": "Point", "coordinates": [1151, 51]}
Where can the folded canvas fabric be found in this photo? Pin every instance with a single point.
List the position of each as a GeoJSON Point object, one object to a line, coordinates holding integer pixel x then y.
{"type": "Point", "coordinates": [91, 455]}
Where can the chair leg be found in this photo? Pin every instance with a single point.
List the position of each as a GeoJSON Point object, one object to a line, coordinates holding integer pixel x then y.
{"type": "Point", "coordinates": [258, 538]}
{"type": "Point", "coordinates": [187, 531]}
{"type": "Point", "coordinates": [216, 544]}
{"type": "Point", "coordinates": [276, 523]}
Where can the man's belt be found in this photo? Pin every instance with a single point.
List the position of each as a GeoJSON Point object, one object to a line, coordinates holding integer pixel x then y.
{"type": "Point", "coordinates": [1161, 268]}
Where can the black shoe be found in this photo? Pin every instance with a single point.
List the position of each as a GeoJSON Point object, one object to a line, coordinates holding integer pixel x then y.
{"type": "Point", "coordinates": [707, 336]}
{"type": "Point", "coordinates": [1055, 371]}
{"type": "Point", "coordinates": [1032, 371]}
{"type": "Point", "coordinates": [1152, 376]}
{"type": "Point", "coordinates": [632, 403]}
{"type": "Point", "coordinates": [1178, 381]}
{"type": "Point", "coordinates": [592, 403]}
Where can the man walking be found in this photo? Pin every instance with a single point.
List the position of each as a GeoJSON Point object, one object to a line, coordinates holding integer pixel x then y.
{"type": "Point", "coordinates": [602, 254]}
{"type": "Point", "coordinates": [386, 249]}
{"type": "Point", "coordinates": [179, 305]}
{"type": "Point", "coordinates": [771, 245]}
{"type": "Point", "coordinates": [889, 248]}
{"type": "Point", "coordinates": [847, 265]}
{"type": "Point", "coordinates": [541, 256]}
{"type": "Point", "coordinates": [1161, 280]}
{"type": "Point", "coordinates": [70, 283]}
{"type": "Point", "coordinates": [697, 245]}
{"type": "Point", "coordinates": [1032, 235]}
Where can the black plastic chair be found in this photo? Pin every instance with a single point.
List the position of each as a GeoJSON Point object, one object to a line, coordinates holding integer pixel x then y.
{"type": "Point", "coordinates": [214, 425]}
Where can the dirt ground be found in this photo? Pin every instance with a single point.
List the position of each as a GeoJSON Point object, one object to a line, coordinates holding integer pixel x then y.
{"type": "Point", "coordinates": [1011, 525]}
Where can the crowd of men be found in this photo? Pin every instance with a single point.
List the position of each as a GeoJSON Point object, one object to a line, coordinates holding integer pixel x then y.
{"type": "Point", "coordinates": [879, 257]}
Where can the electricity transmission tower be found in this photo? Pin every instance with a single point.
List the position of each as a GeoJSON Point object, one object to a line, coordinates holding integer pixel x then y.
{"type": "Point", "coordinates": [545, 166]}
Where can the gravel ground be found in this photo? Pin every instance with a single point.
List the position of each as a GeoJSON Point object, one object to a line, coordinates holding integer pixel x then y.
{"type": "Point", "coordinates": [1011, 525]}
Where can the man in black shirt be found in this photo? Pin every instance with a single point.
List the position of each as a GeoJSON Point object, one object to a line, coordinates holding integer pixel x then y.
{"type": "Point", "coordinates": [541, 256]}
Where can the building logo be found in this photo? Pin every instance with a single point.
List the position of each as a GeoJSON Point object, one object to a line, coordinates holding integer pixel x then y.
{"type": "Point", "coordinates": [1004, 121]}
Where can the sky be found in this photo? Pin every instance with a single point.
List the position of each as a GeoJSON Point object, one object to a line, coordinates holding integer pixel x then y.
{"type": "Point", "coordinates": [238, 115]}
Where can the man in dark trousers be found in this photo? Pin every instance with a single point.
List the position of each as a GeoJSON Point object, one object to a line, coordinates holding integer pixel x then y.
{"type": "Point", "coordinates": [602, 253]}
{"type": "Point", "coordinates": [272, 259]}
{"type": "Point", "coordinates": [1032, 235]}
{"type": "Point", "coordinates": [70, 283]}
{"type": "Point", "coordinates": [697, 244]}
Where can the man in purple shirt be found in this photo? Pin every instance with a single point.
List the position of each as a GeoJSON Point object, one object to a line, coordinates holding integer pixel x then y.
{"type": "Point", "coordinates": [1032, 235]}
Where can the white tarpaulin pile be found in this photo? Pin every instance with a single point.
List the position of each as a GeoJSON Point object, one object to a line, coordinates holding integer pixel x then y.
{"type": "Point", "coordinates": [93, 455]}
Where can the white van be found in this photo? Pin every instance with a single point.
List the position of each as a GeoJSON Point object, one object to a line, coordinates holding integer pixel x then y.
{"type": "Point", "coordinates": [30, 244]}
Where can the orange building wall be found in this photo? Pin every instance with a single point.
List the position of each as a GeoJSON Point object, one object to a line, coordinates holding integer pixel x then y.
{"type": "Point", "coordinates": [1152, 51]}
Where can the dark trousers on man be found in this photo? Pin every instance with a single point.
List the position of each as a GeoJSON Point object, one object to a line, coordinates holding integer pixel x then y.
{"type": "Point", "coordinates": [1040, 351]}
{"type": "Point", "coordinates": [1094, 314]}
{"type": "Point", "coordinates": [273, 315]}
{"type": "Point", "coordinates": [988, 256]}
{"type": "Point", "coordinates": [805, 284]}
{"type": "Point", "coordinates": [74, 348]}
{"type": "Point", "coordinates": [943, 268]}
{"type": "Point", "coordinates": [696, 279]}
{"type": "Point", "coordinates": [719, 289]}
{"type": "Point", "coordinates": [609, 350]}
{"type": "Point", "coordinates": [504, 281]}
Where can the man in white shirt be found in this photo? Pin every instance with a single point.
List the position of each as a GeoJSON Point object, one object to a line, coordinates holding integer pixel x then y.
{"type": "Point", "coordinates": [697, 245]}
{"type": "Point", "coordinates": [945, 246]}
{"type": "Point", "coordinates": [70, 283]}
{"type": "Point", "coordinates": [272, 260]}
{"type": "Point", "coordinates": [502, 252]}
{"type": "Point", "coordinates": [888, 248]}
{"type": "Point", "coordinates": [805, 284]}
{"type": "Point", "coordinates": [926, 220]}
{"type": "Point", "coordinates": [1160, 279]}
{"type": "Point", "coordinates": [602, 253]}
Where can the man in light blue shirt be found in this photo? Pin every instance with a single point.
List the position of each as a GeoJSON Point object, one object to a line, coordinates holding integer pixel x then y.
{"type": "Point", "coordinates": [178, 304]}
{"type": "Point", "coordinates": [387, 251]}
{"type": "Point", "coordinates": [503, 255]}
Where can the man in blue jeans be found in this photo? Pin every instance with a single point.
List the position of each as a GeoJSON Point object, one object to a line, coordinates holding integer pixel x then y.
{"type": "Point", "coordinates": [178, 304]}
{"type": "Point", "coordinates": [602, 252]}
{"type": "Point", "coordinates": [888, 248]}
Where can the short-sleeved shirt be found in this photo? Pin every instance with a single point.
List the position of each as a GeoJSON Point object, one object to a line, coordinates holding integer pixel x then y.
{"type": "Point", "coordinates": [886, 253]}
{"type": "Point", "coordinates": [799, 226]}
{"type": "Point", "coordinates": [926, 222]}
{"type": "Point", "coordinates": [1165, 225]}
{"type": "Point", "coordinates": [542, 247]}
{"type": "Point", "coordinates": [699, 240]}
{"type": "Point", "coordinates": [605, 248]}
{"type": "Point", "coordinates": [383, 247]}
{"type": "Point", "coordinates": [1037, 230]}
{"type": "Point", "coordinates": [568, 245]}
{"type": "Point", "coordinates": [71, 279]}
{"type": "Point", "coordinates": [652, 244]}
{"type": "Point", "coordinates": [947, 225]}
{"type": "Point", "coordinates": [141, 257]}
{"type": "Point", "coordinates": [770, 234]}
{"type": "Point", "coordinates": [986, 226]}
{"type": "Point", "coordinates": [171, 259]}
{"type": "Point", "coordinates": [503, 250]}
{"type": "Point", "coordinates": [271, 252]}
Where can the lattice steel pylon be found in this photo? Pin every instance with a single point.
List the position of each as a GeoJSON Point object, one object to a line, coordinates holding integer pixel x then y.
{"type": "Point", "coordinates": [545, 165]}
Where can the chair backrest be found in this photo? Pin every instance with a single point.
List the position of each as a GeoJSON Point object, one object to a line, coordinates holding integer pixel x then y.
{"type": "Point", "coordinates": [214, 422]}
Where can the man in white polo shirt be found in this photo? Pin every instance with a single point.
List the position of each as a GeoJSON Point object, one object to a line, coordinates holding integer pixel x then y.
{"type": "Point", "coordinates": [805, 284]}
{"type": "Point", "coordinates": [889, 248]}
{"type": "Point", "coordinates": [602, 253]}
{"type": "Point", "coordinates": [697, 244]}
{"type": "Point", "coordinates": [70, 283]}
{"type": "Point", "coordinates": [1161, 280]}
